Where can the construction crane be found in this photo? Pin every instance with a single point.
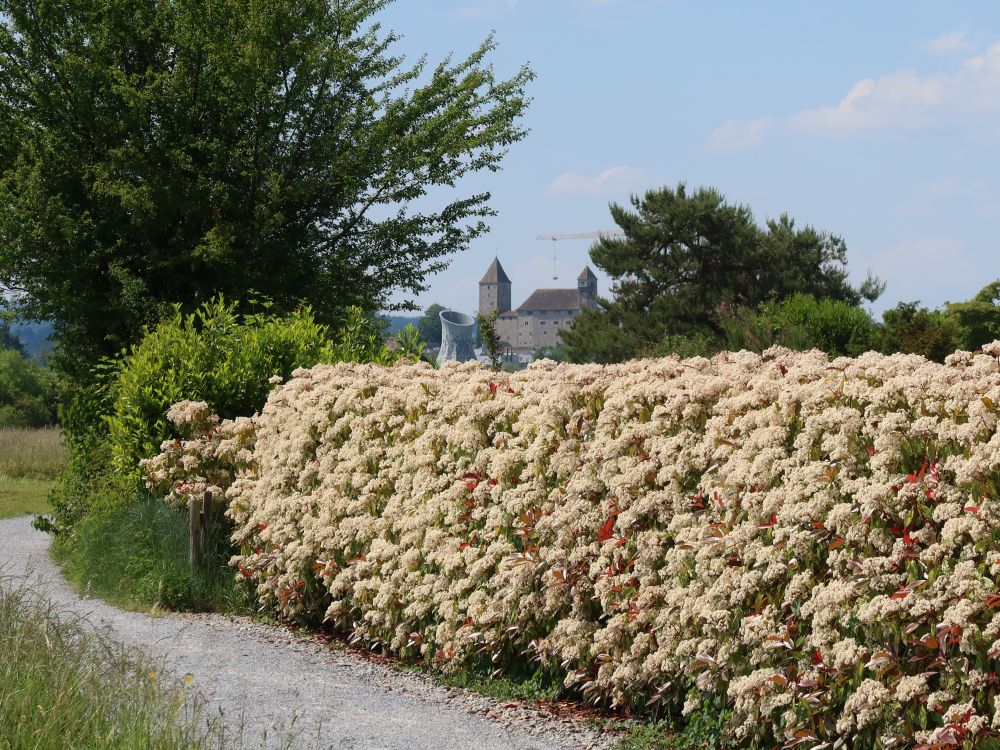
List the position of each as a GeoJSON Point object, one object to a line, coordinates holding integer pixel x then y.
{"type": "Point", "coordinates": [600, 234]}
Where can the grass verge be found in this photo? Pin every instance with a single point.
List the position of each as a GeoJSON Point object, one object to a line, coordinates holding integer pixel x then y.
{"type": "Point", "coordinates": [20, 496]}
{"type": "Point", "coordinates": [135, 555]}
{"type": "Point", "coordinates": [31, 454]}
{"type": "Point", "coordinates": [65, 685]}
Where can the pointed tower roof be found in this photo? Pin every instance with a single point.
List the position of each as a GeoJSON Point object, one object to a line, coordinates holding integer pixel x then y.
{"type": "Point", "coordinates": [586, 275]}
{"type": "Point", "coordinates": [495, 274]}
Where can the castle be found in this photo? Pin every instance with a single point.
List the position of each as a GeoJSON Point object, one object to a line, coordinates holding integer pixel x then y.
{"type": "Point", "coordinates": [538, 320]}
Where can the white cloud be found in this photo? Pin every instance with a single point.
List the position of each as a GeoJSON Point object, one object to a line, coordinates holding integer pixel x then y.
{"type": "Point", "coordinates": [739, 135]}
{"type": "Point", "coordinates": [901, 99]}
{"type": "Point", "coordinates": [952, 43]}
{"type": "Point", "coordinates": [614, 180]}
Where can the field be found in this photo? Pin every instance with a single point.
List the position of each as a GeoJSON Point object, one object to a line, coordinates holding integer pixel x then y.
{"type": "Point", "coordinates": [29, 461]}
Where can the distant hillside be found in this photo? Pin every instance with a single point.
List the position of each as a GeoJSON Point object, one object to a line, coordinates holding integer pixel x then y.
{"type": "Point", "coordinates": [34, 336]}
{"type": "Point", "coordinates": [398, 322]}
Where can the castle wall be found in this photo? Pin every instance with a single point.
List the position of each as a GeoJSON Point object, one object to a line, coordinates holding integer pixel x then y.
{"type": "Point", "coordinates": [494, 296]}
{"type": "Point", "coordinates": [537, 328]}
{"type": "Point", "coordinates": [507, 330]}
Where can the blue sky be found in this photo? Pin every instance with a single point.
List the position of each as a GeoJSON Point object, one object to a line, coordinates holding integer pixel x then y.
{"type": "Point", "coordinates": [877, 121]}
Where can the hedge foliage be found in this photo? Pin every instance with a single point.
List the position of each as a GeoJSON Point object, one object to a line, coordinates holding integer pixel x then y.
{"type": "Point", "coordinates": [810, 544]}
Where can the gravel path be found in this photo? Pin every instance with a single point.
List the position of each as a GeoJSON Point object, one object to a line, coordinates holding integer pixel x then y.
{"type": "Point", "coordinates": [272, 687]}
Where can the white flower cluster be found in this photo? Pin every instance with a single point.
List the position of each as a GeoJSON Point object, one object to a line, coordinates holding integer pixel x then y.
{"type": "Point", "coordinates": [206, 461]}
{"type": "Point", "coordinates": [812, 541]}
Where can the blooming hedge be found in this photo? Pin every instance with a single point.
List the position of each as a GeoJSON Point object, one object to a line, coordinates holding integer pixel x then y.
{"type": "Point", "coordinates": [810, 542]}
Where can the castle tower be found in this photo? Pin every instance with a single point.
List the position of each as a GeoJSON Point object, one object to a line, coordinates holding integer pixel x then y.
{"type": "Point", "coordinates": [494, 289]}
{"type": "Point", "coordinates": [586, 285]}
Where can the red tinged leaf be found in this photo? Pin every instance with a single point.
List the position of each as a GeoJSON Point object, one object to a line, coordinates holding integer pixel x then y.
{"type": "Point", "coordinates": [783, 369]}
{"type": "Point", "coordinates": [871, 449]}
{"type": "Point", "coordinates": [916, 476]}
{"type": "Point", "coordinates": [261, 526]}
{"type": "Point", "coordinates": [992, 601]}
{"type": "Point", "coordinates": [971, 509]}
{"type": "Point", "coordinates": [771, 522]}
{"type": "Point", "coordinates": [493, 387]}
{"type": "Point", "coordinates": [607, 530]}
{"type": "Point", "coordinates": [509, 389]}
{"type": "Point", "coordinates": [906, 539]}
{"type": "Point", "coordinates": [818, 525]}
{"type": "Point", "coordinates": [817, 658]}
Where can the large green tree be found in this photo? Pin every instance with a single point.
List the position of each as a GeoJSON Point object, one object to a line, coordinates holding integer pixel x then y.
{"type": "Point", "coordinates": [979, 317]}
{"type": "Point", "coordinates": [161, 151]}
{"type": "Point", "coordinates": [687, 257]}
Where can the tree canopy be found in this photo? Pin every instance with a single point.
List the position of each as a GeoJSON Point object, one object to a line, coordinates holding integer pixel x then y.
{"type": "Point", "coordinates": [161, 152]}
{"type": "Point", "coordinates": [8, 340]}
{"type": "Point", "coordinates": [979, 317]}
{"type": "Point", "coordinates": [687, 257]}
{"type": "Point", "coordinates": [429, 325]}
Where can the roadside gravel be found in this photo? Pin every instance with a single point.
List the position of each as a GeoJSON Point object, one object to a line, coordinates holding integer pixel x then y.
{"type": "Point", "coordinates": [273, 689]}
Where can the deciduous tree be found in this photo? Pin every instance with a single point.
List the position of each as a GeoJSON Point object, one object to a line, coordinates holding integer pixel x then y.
{"type": "Point", "coordinates": [162, 152]}
{"type": "Point", "coordinates": [429, 325]}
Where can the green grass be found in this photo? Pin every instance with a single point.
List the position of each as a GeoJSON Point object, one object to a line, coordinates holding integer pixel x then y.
{"type": "Point", "coordinates": [63, 685]}
{"type": "Point", "coordinates": [31, 454]}
{"type": "Point", "coordinates": [704, 729]}
{"type": "Point", "coordinates": [529, 685]}
{"type": "Point", "coordinates": [21, 496]}
{"type": "Point", "coordinates": [135, 555]}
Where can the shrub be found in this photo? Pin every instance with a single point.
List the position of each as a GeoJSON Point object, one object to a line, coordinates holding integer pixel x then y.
{"type": "Point", "coordinates": [808, 544]}
{"type": "Point", "coordinates": [802, 322]}
{"type": "Point", "coordinates": [910, 328]}
{"type": "Point", "coordinates": [214, 355]}
{"type": "Point", "coordinates": [833, 326]}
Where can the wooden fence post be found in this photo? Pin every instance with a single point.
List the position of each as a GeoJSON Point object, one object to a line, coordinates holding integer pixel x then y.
{"type": "Point", "coordinates": [194, 524]}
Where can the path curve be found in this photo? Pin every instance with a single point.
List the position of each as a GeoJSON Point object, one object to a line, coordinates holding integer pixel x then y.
{"type": "Point", "coordinates": [271, 685]}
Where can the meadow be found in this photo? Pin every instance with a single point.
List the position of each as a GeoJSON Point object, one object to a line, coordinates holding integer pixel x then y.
{"type": "Point", "coordinates": [30, 459]}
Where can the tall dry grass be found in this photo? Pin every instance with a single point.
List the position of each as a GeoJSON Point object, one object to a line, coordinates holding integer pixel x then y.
{"type": "Point", "coordinates": [31, 453]}
{"type": "Point", "coordinates": [64, 684]}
